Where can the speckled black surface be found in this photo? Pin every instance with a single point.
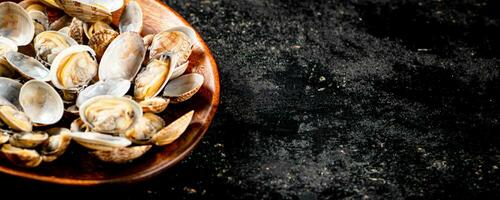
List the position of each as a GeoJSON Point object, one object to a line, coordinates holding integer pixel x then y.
{"type": "Point", "coordinates": [341, 100]}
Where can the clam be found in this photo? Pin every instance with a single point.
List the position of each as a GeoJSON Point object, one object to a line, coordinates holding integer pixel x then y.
{"type": "Point", "coordinates": [21, 157]}
{"type": "Point", "coordinates": [49, 44]}
{"type": "Point", "coordinates": [173, 131]}
{"type": "Point", "coordinates": [101, 40]}
{"type": "Point", "coordinates": [90, 10]}
{"type": "Point", "coordinates": [131, 19]}
{"type": "Point", "coordinates": [123, 57]}
{"type": "Point", "coordinates": [183, 88]}
{"type": "Point", "coordinates": [95, 27]}
{"type": "Point", "coordinates": [56, 145]}
{"type": "Point", "coordinates": [121, 155]}
{"type": "Point", "coordinates": [154, 105]}
{"type": "Point", "coordinates": [27, 66]}
{"type": "Point", "coordinates": [76, 30]}
{"type": "Point", "coordinates": [16, 24]}
{"type": "Point", "coordinates": [145, 128]}
{"type": "Point", "coordinates": [178, 40]}
{"type": "Point", "coordinates": [73, 68]}
{"type": "Point", "coordinates": [113, 87]}
{"type": "Point", "coordinates": [40, 21]}
{"type": "Point", "coordinates": [4, 137]}
{"type": "Point", "coordinates": [15, 119]}
{"type": "Point", "coordinates": [28, 140]}
{"type": "Point", "coordinates": [41, 102]}
{"type": "Point", "coordinates": [153, 78]}
{"type": "Point", "coordinates": [9, 90]}
{"type": "Point", "coordinates": [99, 141]}
{"type": "Point", "coordinates": [51, 3]}
{"type": "Point", "coordinates": [110, 114]}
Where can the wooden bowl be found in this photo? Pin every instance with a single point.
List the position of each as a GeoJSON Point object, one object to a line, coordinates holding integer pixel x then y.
{"type": "Point", "coordinates": [77, 167]}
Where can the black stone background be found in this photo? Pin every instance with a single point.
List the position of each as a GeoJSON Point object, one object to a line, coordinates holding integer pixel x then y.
{"type": "Point", "coordinates": [335, 99]}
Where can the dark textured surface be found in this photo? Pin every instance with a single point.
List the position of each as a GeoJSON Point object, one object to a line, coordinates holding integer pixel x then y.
{"type": "Point", "coordinates": [341, 100]}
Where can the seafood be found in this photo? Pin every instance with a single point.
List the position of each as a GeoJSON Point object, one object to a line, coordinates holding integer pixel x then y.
{"type": "Point", "coordinates": [41, 102]}
{"type": "Point", "coordinates": [16, 24]}
{"type": "Point", "coordinates": [183, 88]}
{"type": "Point", "coordinates": [73, 68]}
{"type": "Point", "coordinates": [27, 66]}
{"type": "Point", "coordinates": [28, 140]}
{"type": "Point", "coordinates": [49, 44]}
{"type": "Point", "coordinates": [153, 78]}
{"type": "Point", "coordinates": [121, 155]}
{"type": "Point", "coordinates": [131, 19]}
{"type": "Point", "coordinates": [154, 105]}
{"type": "Point", "coordinates": [145, 128]}
{"type": "Point", "coordinates": [21, 157]}
{"type": "Point", "coordinates": [123, 57]}
{"type": "Point", "coordinates": [173, 131]}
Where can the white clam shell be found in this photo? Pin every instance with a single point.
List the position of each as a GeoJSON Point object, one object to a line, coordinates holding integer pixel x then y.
{"type": "Point", "coordinates": [9, 90]}
{"type": "Point", "coordinates": [60, 58]}
{"type": "Point", "coordinates": [16, 24]}
{"type": "Point", "coordinates": [41, 102]}
{"type": "Point", "coordinates": [132, 18]}
{"type": "Point", "coordinates": [99, 141]}
{"type": "Point", "coordinates": [123, 57]}
{"type": "Point", "coordinates": [27, 66]}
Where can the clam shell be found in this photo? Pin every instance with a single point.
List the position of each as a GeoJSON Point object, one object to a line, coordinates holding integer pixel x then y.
{"type": "Point", "coordinates": [152, 79]}
{"type": "Point", "coordinates": [95, 27]}
{"type": "Point", "coordinates": [101, 40]}
{"type": "Point", "coordinates": [123, 57]}
{"type": "Point", "coordinates": [113, 87]}
{"type": "Point", "coordinates": [122, 155]}
{"type": "Point", "coordinates": [110, 114]}
{"type": "Point", "coordinates": [76, 30]}
{"type": "Point", "coordinates": [99, 141]}
{"type": "Point", "coordinates": [21, 157]}
{"type": "Point", "coordinates": [145, 128]}
{"type": "Point", "coordinates": [84, 72]}
{"type": "Point", "coordinates": [40, 21]}
{"type": "Point", "coordinates": [9, 90]}
{"type": "Point", "coordinates": [28, 140]}
{"type": "Point", "coordinates": [15, 119]}
{"type": "Point", "coordinates": [154, 105]}
{"type": "Point", "coordinates": [179, 70]}
{"type": "Point", "coordinates": [6, 45]}
{"type": "Point", "coordinates": [183, 88]}
{"type": "Point", "coordinates": [173, 131]}
{"type": "Point", "coordinates": [56, 145]}
{"type": "Point", "coordinates": [132, 18]}
{"type": "Point", "coordinates": [16, 24]}
{"type": "Point", "coordinates": [41, 102]}
{"type": "Point", "coordinates": [49, 44]}
{"type": "Point", "coordinates": [85, 10]}
{"type": "Point", "coordinates": [27, 66]}
{"type": "Point", "coordinates": [178, 40]}
{"type": "Point", "coordinates": [61, 22]}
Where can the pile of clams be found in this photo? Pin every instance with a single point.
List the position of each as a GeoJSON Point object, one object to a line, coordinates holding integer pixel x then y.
{"type": "Point", "coordinates": [67, 74]}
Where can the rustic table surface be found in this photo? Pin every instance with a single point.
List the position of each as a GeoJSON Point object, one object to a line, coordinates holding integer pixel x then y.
{"type": "Point", "coordinates": [339, 99]}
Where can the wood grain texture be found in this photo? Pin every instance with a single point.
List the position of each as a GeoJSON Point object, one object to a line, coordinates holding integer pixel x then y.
{"type": "Point", "coordinates": [77, 167]}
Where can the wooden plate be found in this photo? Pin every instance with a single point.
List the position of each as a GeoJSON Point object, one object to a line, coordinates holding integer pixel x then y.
{"type": "Point", "coordinates": [77, 167]}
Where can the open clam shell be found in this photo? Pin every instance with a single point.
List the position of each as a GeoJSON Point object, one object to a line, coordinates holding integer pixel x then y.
{"type": "Point", "coordinates": [41, 102]}
{"type": "Point", "coordinates": [101, 40]}
{"type": "Point", "coordinates": [27, 66]}
{"type": "Point", "coordinates": [49, 44]}
{"type": "Point", "coordinates": [183, 88]}
{"type": "Point", "coordinates": [9, 90]}
{"type": "Point", "coordinates": [123, 57]}
{"type": "Point", "coordinates": [131, 19]}
{"type": "Point", "coordinates": [16, 24]}
{"type": "Point", "coordinates": [56, 145]}
{"type": "Point", "coordinates": [110, 114]}
{"type": "Point", "coordinates": [6, 45]}
{"type": "Point", "coordinates": [99, 141]}
{"type": "Point", "coordinates": [145, 128]}
{"type": "Point", "coordinates": [91, 28]}
{"type": "Point", "coordinates": [21, 157]}
{"type": "Point", "coordinates": [173, 131]}
{"type": "Point", "coordinates": [152, 79]}
{"type": "Point", "coordinates": [113, 87]}
{"type": "Point", "coordinates": [28, 140]}
{"type": "Point", "coordinates": [122, 155]}
{"type": "Point", "coordinates": [73, 68]}
{"type": "Point", "coordinates": [15, 119]}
